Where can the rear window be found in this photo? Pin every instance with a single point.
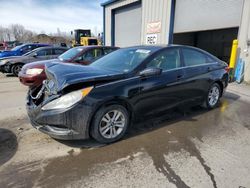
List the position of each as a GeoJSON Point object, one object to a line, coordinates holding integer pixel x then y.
{"type": "Point", "coordinates": [58, 51]}
{"type": "Point", "coordinates": [45, 52]}
{"type": "Point", "coordinates": [193, 57]}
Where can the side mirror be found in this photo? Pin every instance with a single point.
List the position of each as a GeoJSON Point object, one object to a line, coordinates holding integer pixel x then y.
{"type": "Point", "coordinates": [150, 72]}
{"type": "Point", "coordinates": [35, 55]}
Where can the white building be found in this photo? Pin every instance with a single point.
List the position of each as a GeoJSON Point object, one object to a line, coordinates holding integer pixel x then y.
{"type": "Point", "coordinates": [208, 24]}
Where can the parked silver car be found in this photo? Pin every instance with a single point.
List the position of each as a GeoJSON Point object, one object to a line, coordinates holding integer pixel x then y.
{"type": "Point", "coordinates": [14, 64]}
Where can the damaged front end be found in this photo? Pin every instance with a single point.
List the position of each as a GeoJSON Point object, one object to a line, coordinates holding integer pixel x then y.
{"type": "Point", "coordinates": [61, 107]}
{"type": "Point", "coordinates": [54, 114]}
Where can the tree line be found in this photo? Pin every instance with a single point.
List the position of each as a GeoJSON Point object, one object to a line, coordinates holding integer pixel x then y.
{"type": "Point", "coordinates": [15, 32]}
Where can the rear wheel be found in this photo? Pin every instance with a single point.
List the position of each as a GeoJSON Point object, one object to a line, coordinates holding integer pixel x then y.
{"type": "Point", "coordinates": [110, 124]}
{"type": "Point", "coordinates": [16, 69]}
{"type": "Point", "coordinates": [213, 96]}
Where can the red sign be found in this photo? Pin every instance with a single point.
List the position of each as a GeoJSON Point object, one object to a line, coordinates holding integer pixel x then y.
{"type": "Point", "coordinates": [154, 27]}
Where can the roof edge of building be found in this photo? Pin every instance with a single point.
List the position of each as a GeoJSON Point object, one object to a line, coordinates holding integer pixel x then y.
{"type": "Point", "coordinates": [108, 2]}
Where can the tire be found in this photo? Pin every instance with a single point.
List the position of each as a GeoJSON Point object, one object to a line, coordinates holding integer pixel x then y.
{"type": "Point", "coordinates": [16, 69]}
{"type": "Point", "coordinates": [212, 97]}
{"type": "Point", "coordinates": [105, 129]}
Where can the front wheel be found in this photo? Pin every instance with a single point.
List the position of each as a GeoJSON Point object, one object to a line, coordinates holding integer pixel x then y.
{"type": "Point", "coordinates": [110, 124]}
{"type": "Point", "coordinates": [213, 96]}
{"type": "Point", "coordinates": [16, 69]}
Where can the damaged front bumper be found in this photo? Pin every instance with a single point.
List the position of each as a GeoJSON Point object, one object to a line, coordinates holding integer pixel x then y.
{"type": "Point", "coordinates": [64, 124]}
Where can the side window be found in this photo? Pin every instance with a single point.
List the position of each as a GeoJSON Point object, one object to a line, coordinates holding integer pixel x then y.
{"type": "Point", "coordinates": [44, 52]}
{"type": "Point", "coordinates": [166, 60]}
{"type": "Point", "coordinates": [27, 48]}
{"type": "Point", "coordinates": [210, 59]}
{"type": "Point", "coordinates": [108, 50]}
{"type": "Point", "coordinates": [58, 51]}
{"type": "Point", "coordinates": [34, 47]}
{"type": "Point", "coordinates": [193, 57]}
{"type": "Point", "coordinates": [92, 54]}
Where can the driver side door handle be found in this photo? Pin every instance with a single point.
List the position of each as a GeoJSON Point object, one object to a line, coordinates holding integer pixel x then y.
{"type": "Point", "coordinates": [179, 77]}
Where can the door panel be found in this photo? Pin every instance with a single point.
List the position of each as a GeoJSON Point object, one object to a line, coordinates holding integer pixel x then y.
{"type": "Point", "coordinates": [164, 91]}
{"type": "Point", "coordinates": [196, 75]}
{"type": "Point", "coordinates": [160, 93]}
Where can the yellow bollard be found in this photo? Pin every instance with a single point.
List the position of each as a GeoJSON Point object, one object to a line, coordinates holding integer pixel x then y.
{"type": "Point", "coordinates": [233, 54]}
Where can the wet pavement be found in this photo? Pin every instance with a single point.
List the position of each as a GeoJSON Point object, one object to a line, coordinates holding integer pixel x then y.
{"type": "Point", "coordinates": [184, 148]}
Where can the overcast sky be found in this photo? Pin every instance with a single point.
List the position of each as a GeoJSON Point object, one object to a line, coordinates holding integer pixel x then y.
{"type": "Point", "coordinates": [48, 15]}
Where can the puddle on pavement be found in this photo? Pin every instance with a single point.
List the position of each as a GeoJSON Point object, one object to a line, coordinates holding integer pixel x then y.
{"type": "Point", "coordinates": [8, 145]}
{"type": "Point", "coordinates": [157, 138]}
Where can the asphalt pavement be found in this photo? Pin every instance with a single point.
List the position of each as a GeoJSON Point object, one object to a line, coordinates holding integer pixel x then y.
{"type": "Point", "coordinates": [184, 148]}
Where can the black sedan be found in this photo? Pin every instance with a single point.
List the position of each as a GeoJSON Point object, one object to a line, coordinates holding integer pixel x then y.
{"type": "Point", "coordinates": [101, 100]}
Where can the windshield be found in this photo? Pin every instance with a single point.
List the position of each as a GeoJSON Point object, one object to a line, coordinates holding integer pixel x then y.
{"type": "Point", "coordinates": [122, 60]}
{"type": "Point", "coordinates": [70, 54]}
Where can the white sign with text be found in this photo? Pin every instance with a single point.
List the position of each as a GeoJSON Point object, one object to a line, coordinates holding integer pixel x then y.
{"type": "Point", "coordinates": [151, 38]}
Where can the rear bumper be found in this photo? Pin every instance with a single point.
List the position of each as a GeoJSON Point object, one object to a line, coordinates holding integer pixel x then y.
{"type": "Point", "coordinates": [65, 124]}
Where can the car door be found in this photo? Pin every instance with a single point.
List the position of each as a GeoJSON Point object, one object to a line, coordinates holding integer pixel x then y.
{"type": "Point", "coordinates": [196, 74]}
{"type": "Point", "coordinates": [164, 91]}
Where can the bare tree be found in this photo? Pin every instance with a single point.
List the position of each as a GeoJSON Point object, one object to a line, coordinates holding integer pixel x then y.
{"type": "Point", "coordinates": [27, 36]}
{"type": "Point", "coordinates": [2, 33]}
{"type": "Point", "coordinates": [17, 31]}
{"type": "Point", "coordinates": [5, 34]}
{"type": "Point", "coordinates": [58, 32]}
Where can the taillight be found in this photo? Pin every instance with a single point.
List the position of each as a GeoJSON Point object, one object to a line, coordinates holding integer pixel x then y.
{"type": "Point", "coordinates": [227, 69]}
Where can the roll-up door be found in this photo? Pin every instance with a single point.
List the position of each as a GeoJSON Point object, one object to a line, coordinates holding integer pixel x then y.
{"type": "Point", "coordinates": [128, 26]}
{"type": "Point", "coordinates": [200, 15]}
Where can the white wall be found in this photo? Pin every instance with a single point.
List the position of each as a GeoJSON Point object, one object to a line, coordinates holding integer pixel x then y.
{"type": "Point", "coordinates": [200, 15]}
{"type": "Point", "coordinates": [244, 35]}
{"type": "Point", "coordinates": [152, 11]}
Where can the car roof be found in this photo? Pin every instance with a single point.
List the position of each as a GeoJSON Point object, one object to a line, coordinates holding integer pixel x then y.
{"type": "Point", "coordinates": [39, 44]}
{"type": "Point", "coordinates": [94, 46]}
{"type": "Point", "coordinates": [35, 44]}
{"type": "Point", "coordinates": [51, 47]}
{"type": "Point", "coordinates": [158, 47]}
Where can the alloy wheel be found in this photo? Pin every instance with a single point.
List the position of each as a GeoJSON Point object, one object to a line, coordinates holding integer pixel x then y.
{"type": "Point", "coordinates": [17, 69]}
{"type": "Point", "coordinates": [112, 124]}
{"type": "Point", "coordinates": [213, 96]}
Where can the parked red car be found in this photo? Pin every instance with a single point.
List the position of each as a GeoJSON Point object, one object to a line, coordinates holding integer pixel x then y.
{"type": "Point", "coordinates": [33, 74]}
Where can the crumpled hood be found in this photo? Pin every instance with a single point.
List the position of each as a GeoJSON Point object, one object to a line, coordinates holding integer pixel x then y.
{"type": "Point", "coordinates": [65, 74]}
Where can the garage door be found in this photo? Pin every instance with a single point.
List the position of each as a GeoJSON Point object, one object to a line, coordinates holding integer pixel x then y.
{"type": "Point", "coordinates": [200, 15]}
{"type": "Point", "coordinates": [217, 42]}
{"type": "Point", "coordinates": [128, 26]}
